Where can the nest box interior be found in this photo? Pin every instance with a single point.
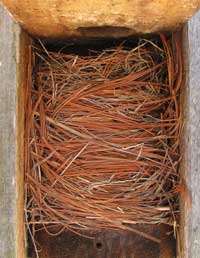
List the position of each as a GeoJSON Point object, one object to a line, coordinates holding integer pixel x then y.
{"type": "Point", "coordinates": [107, 243]}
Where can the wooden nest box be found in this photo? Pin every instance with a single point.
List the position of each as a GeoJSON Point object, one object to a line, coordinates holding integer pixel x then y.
{"type": "Point", "coordinates": [83, 24]}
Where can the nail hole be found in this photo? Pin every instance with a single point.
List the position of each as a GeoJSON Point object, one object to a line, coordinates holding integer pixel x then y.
{"type": "Point", "coordinates": [99, 245]}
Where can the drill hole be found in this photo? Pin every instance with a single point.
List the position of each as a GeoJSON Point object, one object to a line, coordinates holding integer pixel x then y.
{"type": "Point", "coordinates": [99, 245]}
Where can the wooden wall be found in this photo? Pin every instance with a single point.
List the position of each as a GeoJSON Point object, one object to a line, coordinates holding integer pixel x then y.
{"type": "Point", "coordinates": [191, 146]}
{"type": "Point", "coordinates": [13, 48]}
{"type": "Point", "coordinates": [100, 18]}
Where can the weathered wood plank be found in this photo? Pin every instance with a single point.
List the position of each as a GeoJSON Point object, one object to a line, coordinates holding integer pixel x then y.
{"type": "Point", "coordinates": [10, 43]}
{"type": "Point", "coordinates": [97, 18]}
{"type": "Point", "coordinates": [192, 138]}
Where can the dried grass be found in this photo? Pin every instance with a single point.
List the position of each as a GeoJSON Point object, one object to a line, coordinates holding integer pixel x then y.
{"type": "Point", "coordinates": [102, 138]}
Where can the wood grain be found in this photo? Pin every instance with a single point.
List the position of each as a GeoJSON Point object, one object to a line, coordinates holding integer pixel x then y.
{"type": "Point", "coordinates": [97, 18]}
{"type": "Point", "coordinates": [106, 244]}
{"type": "Point", "coordinates": [12, 79]}
{"type": "Point", "coordinates": [191, 153]}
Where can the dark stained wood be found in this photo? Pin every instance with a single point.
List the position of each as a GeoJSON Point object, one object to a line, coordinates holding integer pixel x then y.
{"type": "Point", "coordinates": [107, 244]}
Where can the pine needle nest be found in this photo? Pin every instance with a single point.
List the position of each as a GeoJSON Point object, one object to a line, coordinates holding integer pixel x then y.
{"type": "Point", "coordinates": [102, 138]}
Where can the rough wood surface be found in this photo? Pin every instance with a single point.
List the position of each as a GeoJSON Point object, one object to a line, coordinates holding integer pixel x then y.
{"type": "Point", "coordinates": [107, 244]}
{"type": "Point", "coordinates": [11, 227]}
{"type": "Point", "coordinates": [97, 18]}
{"type": "Point", "coordinates": [192, 139]}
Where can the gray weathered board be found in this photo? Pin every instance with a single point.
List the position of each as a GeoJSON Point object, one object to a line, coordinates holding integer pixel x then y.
{"type": "Point", "coordinates": [192, 137]}
{"type": "Point", "coordinates": [9, 55]}
{"type": "Point", "coordinates": [9, 65]}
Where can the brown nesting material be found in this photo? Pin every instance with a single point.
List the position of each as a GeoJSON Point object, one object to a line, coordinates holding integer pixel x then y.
{"type": "Point", "coordinates": [102, 138]}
